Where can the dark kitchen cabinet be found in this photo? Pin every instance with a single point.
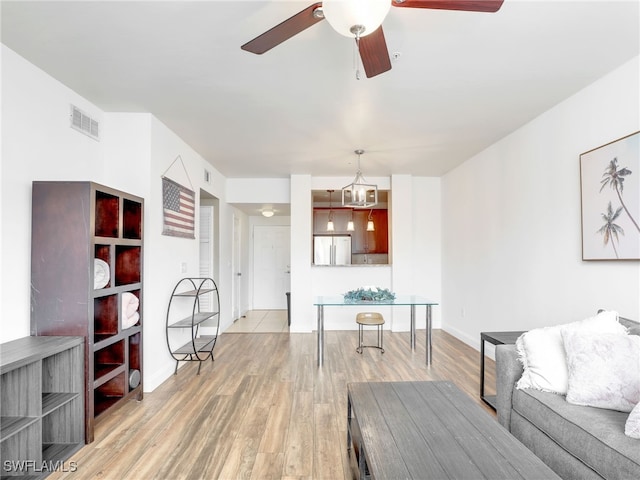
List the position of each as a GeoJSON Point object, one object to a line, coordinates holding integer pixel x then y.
{"type": "Point", "coordinates": [370, 242]}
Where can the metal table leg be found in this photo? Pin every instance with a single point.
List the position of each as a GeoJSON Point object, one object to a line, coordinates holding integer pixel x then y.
{"type": "Point", "coordinates": [320, 335]}
{"type": "Point", "coordinates": [482, 340]}
{"type": "Point", "coordinates": [428, 342]}
{"type": "Point", "coordinates": [413, 328]}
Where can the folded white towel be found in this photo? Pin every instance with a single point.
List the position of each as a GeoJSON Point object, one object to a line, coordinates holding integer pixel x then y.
{"type": "Point", "coordinates": [130, 304]}
{"type": "Point", "coordinates": [130, 321]}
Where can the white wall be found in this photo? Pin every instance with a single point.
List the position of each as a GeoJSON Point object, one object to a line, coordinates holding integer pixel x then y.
{"type": "Point", "coordinates": [164, 255]}
{"type": "Point", "coordinates": [258, 190]}
{"type": "Point", "coordinates": [415, 245]}
{"type": "Point", "coordinates": [37, 144]}
{"type": "Point", "coordinates": [511, 221]}
{"type": "Point", "coordinates": [426, 256]}
{"type": "Point", "coordinates": [134, 151]}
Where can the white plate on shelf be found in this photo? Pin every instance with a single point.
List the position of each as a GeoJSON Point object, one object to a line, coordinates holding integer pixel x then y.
{"type": "Point", "coordinates": [101, 273]}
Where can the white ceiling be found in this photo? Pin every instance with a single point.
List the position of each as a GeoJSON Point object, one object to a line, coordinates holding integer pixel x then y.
{"type": "Point", "coordinates": [462, 80]}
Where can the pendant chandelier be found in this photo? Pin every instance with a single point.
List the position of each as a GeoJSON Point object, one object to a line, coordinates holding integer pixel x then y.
{"type": "Point", "coordinates": [359, 194]}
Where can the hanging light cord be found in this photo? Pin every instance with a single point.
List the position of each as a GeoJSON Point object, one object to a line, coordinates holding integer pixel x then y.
{"type": "Point", "coordinates": [357, 30]}
{"type": "Point", "coordinates": [358, 60]}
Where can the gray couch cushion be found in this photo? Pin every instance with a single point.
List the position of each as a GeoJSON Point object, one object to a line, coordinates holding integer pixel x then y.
{"type": "Point", "coordinates": [563, 463]}
{"type": "Point", "coordinates": [594, 435]}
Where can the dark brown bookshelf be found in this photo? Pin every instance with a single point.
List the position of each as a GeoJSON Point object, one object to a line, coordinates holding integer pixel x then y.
{"type": "Point", "coordinates": [74, 226]}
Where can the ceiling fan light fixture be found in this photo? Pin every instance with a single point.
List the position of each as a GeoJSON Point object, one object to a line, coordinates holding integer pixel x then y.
{"type": "Point", "coordinates": [355, 18]}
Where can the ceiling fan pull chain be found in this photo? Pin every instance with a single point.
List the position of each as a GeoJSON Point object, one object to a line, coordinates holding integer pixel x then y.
{"type": "Point", "coordinates": [357, 58]}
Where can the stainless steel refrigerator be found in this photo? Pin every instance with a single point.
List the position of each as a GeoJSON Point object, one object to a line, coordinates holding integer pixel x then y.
{"type": "Point", "coordinates": [332, 250]}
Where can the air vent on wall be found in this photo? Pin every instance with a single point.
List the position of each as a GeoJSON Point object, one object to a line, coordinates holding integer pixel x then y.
{"type": "Point", "coordinates": [83, 123]}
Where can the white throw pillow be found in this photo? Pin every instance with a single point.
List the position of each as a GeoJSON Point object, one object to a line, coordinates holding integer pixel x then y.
{"type": "Point", "coordinates": [604, 369]}
{"type": "Point", "coordinates": [542, 354]}
{"type": "Point", "coordinates": [632, 427]}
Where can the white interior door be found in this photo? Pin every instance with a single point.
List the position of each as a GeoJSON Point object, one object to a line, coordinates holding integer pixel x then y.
{"type": "Point", "coordinates": [271, 266]}
{"type": "Point", "coordinates": [205, 267]}
{"type": "Point", "coordinates": [236, 268]}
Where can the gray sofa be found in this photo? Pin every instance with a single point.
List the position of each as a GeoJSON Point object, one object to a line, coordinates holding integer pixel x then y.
{"type": "Point", "coordinates": [576, 442]}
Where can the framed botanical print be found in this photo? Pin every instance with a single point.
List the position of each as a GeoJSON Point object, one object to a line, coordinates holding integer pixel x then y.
{"type": "Point", "coordinates": [610, 190]}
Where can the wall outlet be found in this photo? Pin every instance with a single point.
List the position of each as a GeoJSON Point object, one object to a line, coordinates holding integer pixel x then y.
{"type": "Point", "coordinates": [462, 312]}
{"type": "Point", "coordinates": [183, 267]}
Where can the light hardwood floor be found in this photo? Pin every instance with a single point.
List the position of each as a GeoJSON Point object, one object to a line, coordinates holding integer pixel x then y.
{"type": "Point", "coordinates": [263, 409]}
{"type": "Point", "coordinates": [261, 321]}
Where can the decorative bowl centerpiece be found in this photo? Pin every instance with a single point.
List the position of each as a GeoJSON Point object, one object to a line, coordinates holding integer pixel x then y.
{"type": "Point", "coordinates": [369, 294]}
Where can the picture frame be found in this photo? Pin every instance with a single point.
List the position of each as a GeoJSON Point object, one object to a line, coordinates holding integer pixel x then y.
{"type": "Point", "coordinates": [178, 210]}
{"type": "Point", "coordinates": [610, 200]}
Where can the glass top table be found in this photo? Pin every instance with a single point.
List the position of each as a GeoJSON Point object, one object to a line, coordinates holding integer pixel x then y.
{"type": "Point", "coordinates": [401, 300]}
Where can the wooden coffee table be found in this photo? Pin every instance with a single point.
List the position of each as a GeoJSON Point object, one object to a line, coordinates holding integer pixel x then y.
{"type": "Point", "coordinates": [430, 430]}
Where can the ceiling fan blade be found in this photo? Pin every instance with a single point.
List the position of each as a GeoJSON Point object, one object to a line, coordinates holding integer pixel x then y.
{"type": "Point", "coordinates": [489, 6]}
{"type": "Point", "coordinates": [374, 53]}
{"type": "Point", "coordinates": [284, 31]}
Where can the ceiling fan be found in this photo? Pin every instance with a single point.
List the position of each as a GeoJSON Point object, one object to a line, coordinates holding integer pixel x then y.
{"type": "Point", "coordinates": [359, 19]}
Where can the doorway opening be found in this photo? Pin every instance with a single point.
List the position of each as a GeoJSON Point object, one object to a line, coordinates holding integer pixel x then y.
{"type": "Point", "coordinates": [271, 266]}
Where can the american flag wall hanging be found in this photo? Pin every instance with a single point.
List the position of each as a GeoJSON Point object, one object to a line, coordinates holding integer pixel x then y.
{"type": "Point", "coordinates": [178, 207]}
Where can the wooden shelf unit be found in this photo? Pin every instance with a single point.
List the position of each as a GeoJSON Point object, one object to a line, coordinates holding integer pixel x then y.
{"type": "Point", "coordinates": [74, 223]}
{"type": "Point", "coordinates": [42, 404]}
